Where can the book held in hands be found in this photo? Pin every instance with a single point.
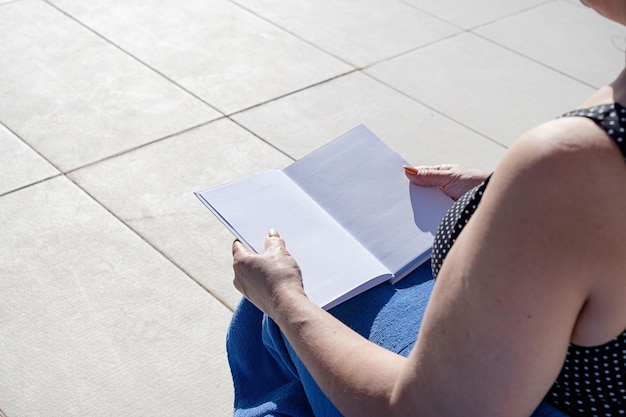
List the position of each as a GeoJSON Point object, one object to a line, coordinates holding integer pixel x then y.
{"type": "Point", "coordinates": [346, 211]}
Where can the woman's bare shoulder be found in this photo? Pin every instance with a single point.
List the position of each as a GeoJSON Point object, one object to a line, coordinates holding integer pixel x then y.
{"type": "Point", "coordinates": [568, 166]}
{"type": "Point", "coordinates": [567, 171]}
{"type": "Point", "coordinates": [563, 184]}
{"type": "Point", "coordinates": [566, 140]}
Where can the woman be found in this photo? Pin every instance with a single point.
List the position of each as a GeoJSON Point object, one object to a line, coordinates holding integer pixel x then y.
{"type": "Point", "coordinates": [527, 309]}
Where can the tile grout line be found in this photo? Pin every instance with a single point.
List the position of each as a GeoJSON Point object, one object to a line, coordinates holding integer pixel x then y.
{"type": "Point", "coordinates": [169, 79]}
{"type": "Point", "coordinates": [356, 67]}
{"type": "Point", "coordinates": [60, 174]}
{"type": "Point", "coordinates": [160, 252]}
{"type": "Point", "coordinates": [235, 2]}
{"type": "Point", "coordinates": [222, 113]}
{"type": "Point", "coordinates": [473, 29]}
{"type": "Point", "coordinates": [252, 12]}
{"type": "Point", "coordinates": [494, 141]}
{"type": "Point", "coordinates": [115, 155]}
{"type": "Point", "coordinates": [431, 14]}
{"type": "Point", "coordinates": [25, 142]}
{"type": "Point", "coordinates": [472, 32]}
{"type": "Point", "coordinates": [256, 135]}
{"type": "Point", "coordinates": [279, 98]}
{"type": "Point", "coordinates": [66, 174]}
{"type": "Point", "coordinates": [480, 24]}
{"type": "Point", "coordinates": [518, 13]}
{"type": "Point", "coordinates": [229, 115]}
{"type": "Point", "coordinates": [533, 60]}
{"type": "Point", "coordinates": [334, 77]}
{"type": "Point", "coordinates": [135, 232]}
{"type": "Point", "coordinates": [461, 31]}
{"type": "Point", "coordinates": [417, 48]}
{"type": "Point", "coordinates": [127, 53]}
{"type": "Point", "coordinates": [29, 146]}
{"type": "Point", "coordinates": [510, 15]}
{"type": "Point", "coordinates": [223, 117]}
{"type": "Point", "coordinates": [143, 145]}
{"type": "Point", "coordinates": [129, 227]}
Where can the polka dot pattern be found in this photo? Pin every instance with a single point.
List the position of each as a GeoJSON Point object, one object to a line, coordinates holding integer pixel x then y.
{"type": "Point", "coordinates": [453, 223]}
{"type": "Point", "coordinates": [592, 380]}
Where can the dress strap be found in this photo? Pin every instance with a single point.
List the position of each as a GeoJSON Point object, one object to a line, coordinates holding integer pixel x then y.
{"type": "Point", "coordinates": [609, 117]}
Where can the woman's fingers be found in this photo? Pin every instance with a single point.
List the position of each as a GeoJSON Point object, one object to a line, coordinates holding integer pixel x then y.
{"type": "Point", "coordinates": [430, 176]}
{"type": "Point", "coordinates": [273, 241]}
{"type": "Point", "coordinates": [239, 249]}
{"type": "Point", "coordinates": [262, 277]}
{"type": "Point", "coordinates": [454, 180]}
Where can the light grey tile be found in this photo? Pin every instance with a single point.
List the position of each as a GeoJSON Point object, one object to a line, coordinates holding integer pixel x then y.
{"type": "Point", "coordinates": [468, 14]}
{"type": "Point", "coordinates": [569, 38]}
{"type": "Point", "coordinates": [223, 53]}
{"type": "Point", "coordinates": [95, 322]}
{"type": "Point", "coordinates": [304, 121]}
{"type": "Point", "coordinates": [151, 189]}
{"type": "Point", "coordinates": [359, 31]}
{"type": "Point", "coordinates": [483, 86]}
{"type": "Point", "coordinates": [19, 164]}
{"type": "Point", "coordinates": [77, 99]}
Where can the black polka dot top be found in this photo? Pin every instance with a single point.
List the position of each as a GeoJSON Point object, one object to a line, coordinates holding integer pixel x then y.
{"type": "Point", "coordinates": [453, 223]}
{"type": "Point", "coordinates": [592, 382]}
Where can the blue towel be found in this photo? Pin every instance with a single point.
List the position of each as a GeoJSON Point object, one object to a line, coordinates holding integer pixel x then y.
{"type": "Point", "coordinates": [269, 378]}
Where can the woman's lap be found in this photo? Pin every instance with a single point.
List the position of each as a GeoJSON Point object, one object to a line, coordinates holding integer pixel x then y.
{"type": "Point", "coordinates": [269, 378]}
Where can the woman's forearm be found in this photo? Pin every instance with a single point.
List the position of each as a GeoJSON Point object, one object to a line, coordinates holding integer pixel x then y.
{"type": "Point", "coordinates": [358, 376]}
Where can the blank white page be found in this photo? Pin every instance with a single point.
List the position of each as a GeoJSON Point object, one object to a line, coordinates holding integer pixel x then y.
{"type": "Point", "coordinates": [333, 263]}
{"type": "Point", "coordinates": [360, 181]}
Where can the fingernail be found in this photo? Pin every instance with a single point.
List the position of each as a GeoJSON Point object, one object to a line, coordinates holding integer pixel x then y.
{"type": "Point", "coordinates": [410, 170]}
{"type": "Point", "coordinates": [272, 233]}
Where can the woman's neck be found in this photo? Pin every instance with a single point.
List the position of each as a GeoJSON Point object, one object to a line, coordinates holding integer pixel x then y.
{"type": "Point", "coordinates": [619, 88]}
{"type": "Point", "coordinates": [614, 92]}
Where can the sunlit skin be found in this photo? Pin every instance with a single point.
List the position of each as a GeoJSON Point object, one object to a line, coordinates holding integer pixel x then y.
{"type": "Point", "coordinates": [611, 9]}
{"type": "Point", "coordinates": [537, 267]}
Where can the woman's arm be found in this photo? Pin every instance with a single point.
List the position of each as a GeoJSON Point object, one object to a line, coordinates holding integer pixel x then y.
{"type": "Point", "coordinates": [357, 375]}
{"type": "Point", "coordinates": [505, 304]}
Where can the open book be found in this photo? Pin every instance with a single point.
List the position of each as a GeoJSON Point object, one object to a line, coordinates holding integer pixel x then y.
{"type": "Point", "coordinates": [346, 211]}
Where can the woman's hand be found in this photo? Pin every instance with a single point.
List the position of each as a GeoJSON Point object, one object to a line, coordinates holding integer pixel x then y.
{"type": "Point", "coordinates": [264, 278]}
{"type": "Point", "coordinates": [454, 180]}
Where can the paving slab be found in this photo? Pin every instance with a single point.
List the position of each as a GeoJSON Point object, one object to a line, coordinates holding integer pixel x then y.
{"type": "Point", "coordinates": [116, 284]}
{"type": "Point", "coordinates": [151, 190]}
{"type": "Point", "coordinates": [469, 14]}
{"type": "Point", "coordinates": [66, 87]}
{"type": "Point", "coordinates": [360, 32]}
{"type": "Point", "coordinates": [475, 81]}
{"type": "Point", "coordinates": [219, 51]}
{"type": "Point", "coordinates": [95, 322]}
{"type": "Point", "coordinates": [563, 33]}
{"type": "Point", "coordinates": [20, 165]}
{"type": "Point", "coordinates": [304, 121]}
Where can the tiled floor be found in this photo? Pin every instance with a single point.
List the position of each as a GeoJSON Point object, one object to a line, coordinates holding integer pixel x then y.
{"type": "Point", "coordinates": [115, 283]}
